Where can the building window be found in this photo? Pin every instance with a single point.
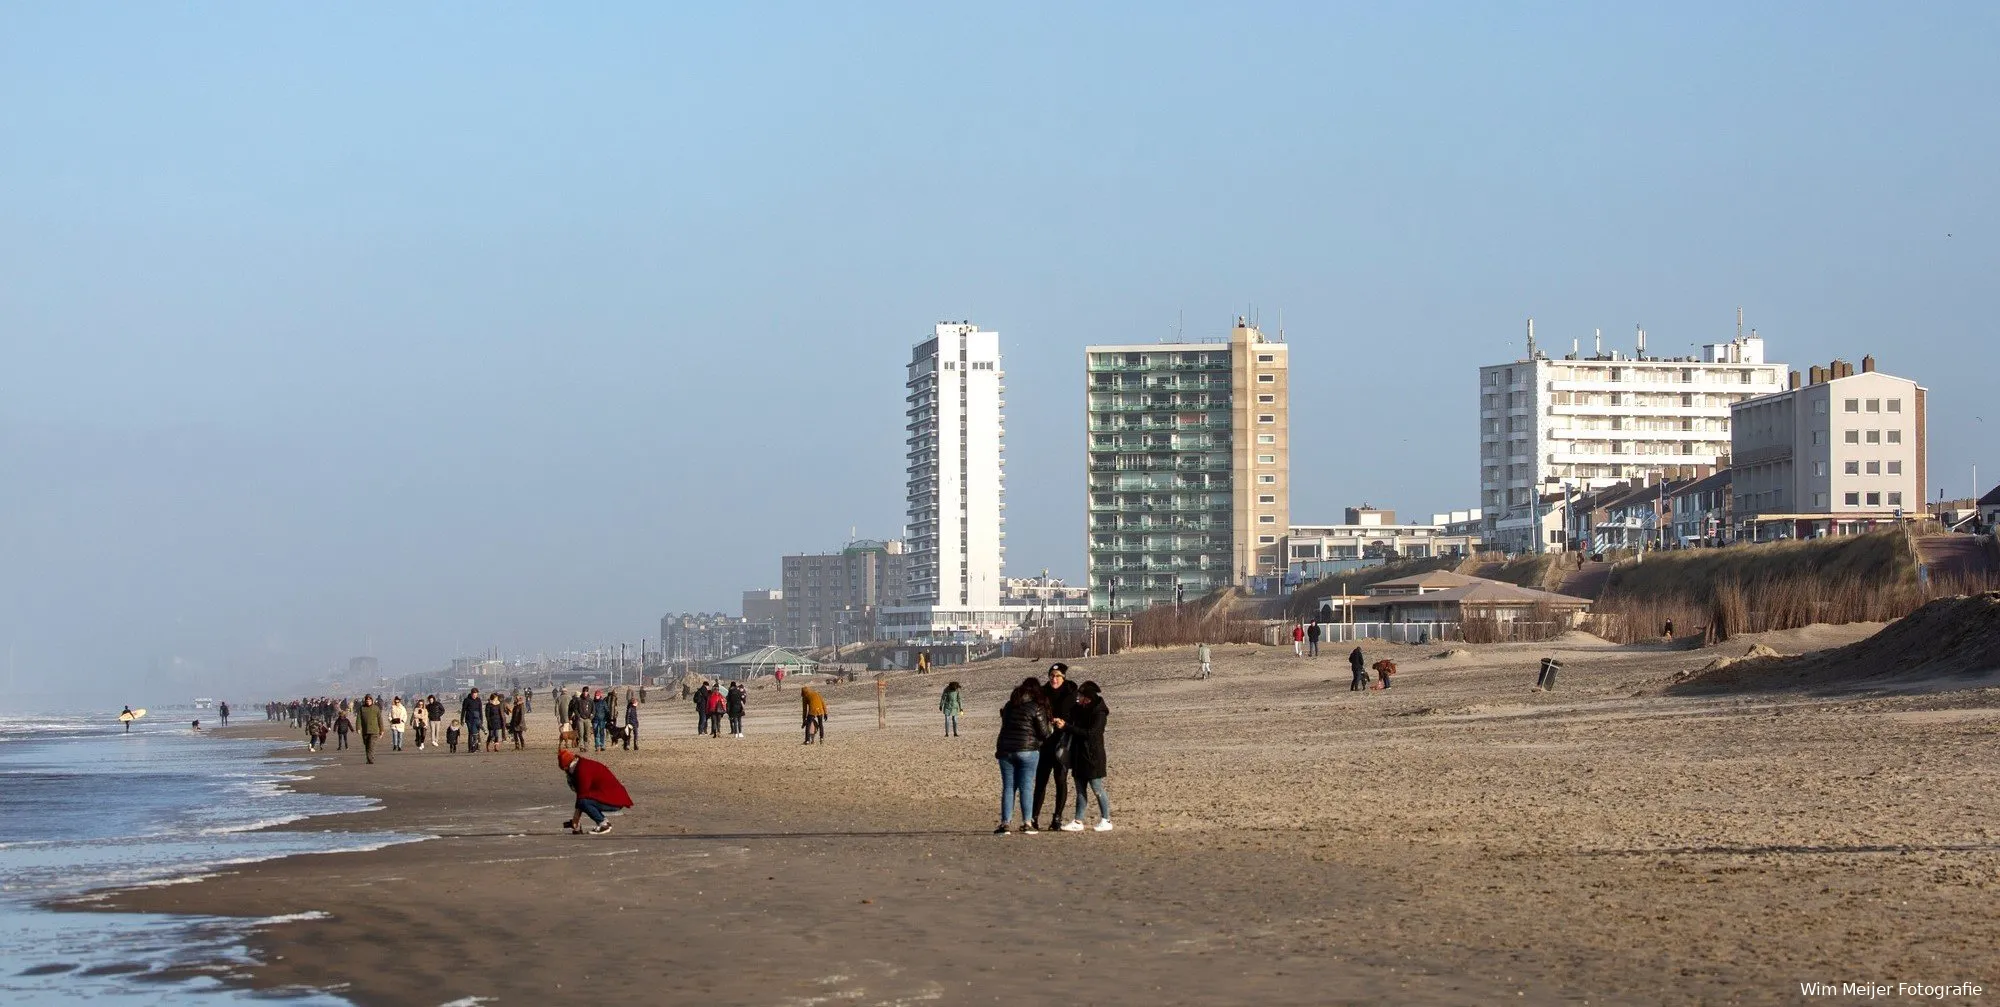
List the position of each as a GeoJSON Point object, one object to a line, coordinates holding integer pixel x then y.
{"type": "Point", "coordinates": [1267, 418]}
{"type": "Point", "coordinates": [1895, 468]}
{"type": "Point", "coordinates": [1267, 519]}
{"type": "Point", "coordinates": [1895, 499]}
{"type": "Point", "coordinates": [1267, 459]}
{"type": "Point", "coordinates": [1895, 437]}
{"type": "Point", "coordinates": [1267, 479]}
{"type": "Point", "coordinates": [1266, 358]}
{"type": "Point", "coordinates": [1267, 561]}
{"type": "Point", "coordinates": [1874, 405]}
{"type": "Point", "coordinates": [1852, 405]}
{"type": "Point", "coordinates": [1850, 436]}
{"type": "Point", "coordinates": [1267, 438]}
{"type": "Point", "coordinates": [1265, 379]}
{"type": "Point", "coordinates": [1853, 499]}
{"type": "Point", "coordinates": [1261, 399]}
{"type": "Point", "coordinates": [1819, 499]}
{"type": "Point", "coordinates": [1819, 468]}
{"type": "Point", "coordinates": [1874, 499]}
{"type": "Point", "coordinates": [1853, 468]}
{"type": "Point", "coordinates": [1874, 436]}
{"type": "Point", "coordinates": [1819, 437]}
{"type": "Point", "coordinates": [1267, 499]}
{"type": "Point", "coordinates": [1895, 405]}
{"type": "Point", "coordinates": [1267, 539]}
{"type": "Point", "coordinates": [1874, 468]}
{"type": "Point", "coordinates": [1819, 406]}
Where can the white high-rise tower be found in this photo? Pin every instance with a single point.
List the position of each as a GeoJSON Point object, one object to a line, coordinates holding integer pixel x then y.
{"type": "Point", "coordinates": [955, 468]}
{"type": "Point", "coordinates": [956, 476]}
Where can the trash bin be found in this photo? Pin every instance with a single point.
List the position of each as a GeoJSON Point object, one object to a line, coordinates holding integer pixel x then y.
{"type": "Point", "coordinates": [1546, 681]}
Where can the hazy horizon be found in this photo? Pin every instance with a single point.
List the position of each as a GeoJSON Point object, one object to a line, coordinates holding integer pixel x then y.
{"type": "Point", "coordinates": [424, 330]}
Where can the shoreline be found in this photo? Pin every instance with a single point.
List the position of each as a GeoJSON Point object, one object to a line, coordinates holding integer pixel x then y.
{"type": "Point", "coordinates": [1280, 841]}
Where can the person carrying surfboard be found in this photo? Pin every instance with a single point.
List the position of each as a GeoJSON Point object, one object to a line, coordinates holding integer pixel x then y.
{"type": "Point", "coordinates": [126, 716]}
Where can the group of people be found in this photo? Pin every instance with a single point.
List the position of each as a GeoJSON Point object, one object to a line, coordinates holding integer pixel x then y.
{"type": "Point", "coordinates": [597, 711]}
{"type": "Point", "coordinates": [1050, 733]}
{"type": "Point", "coordinates": [712, 703]}
{"type": "Point", "coordinates": [420, 722]}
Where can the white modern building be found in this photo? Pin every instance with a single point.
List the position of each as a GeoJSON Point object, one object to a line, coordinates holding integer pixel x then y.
{"type": "Point", "coordinates": [955, 487]}
{"type": "Point", "coordinates": [1586, 422]}
{"type": "Point", "coordinates": [1844, 452]}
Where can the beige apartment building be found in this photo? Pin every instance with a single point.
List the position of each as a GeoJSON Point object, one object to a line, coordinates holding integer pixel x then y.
{"type": "Point", "coordinates": [1189, 464]}
{"type": "Point", "coordinates": [830, 598]}
{"type": "Point", "coordinates": [1839, 453]}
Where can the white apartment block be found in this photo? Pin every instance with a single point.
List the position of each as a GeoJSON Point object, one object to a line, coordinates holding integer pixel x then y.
{"type": "Point", "coordinates": [1842, 453]}
{"type": "Point", "coordinates": [956, 478]}
{"type": "Point", "coordinates": [1587, 422]}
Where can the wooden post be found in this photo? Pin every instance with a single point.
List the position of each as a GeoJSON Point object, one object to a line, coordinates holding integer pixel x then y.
{"type": "Point", "coordinates": [881, 702]}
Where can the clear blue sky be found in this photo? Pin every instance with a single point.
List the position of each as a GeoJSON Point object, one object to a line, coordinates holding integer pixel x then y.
{"type": "Point", "coordinates": [424, 328]}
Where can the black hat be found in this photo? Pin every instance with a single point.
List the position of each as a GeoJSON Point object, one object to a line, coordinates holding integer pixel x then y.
{"type": "Point", "coordinates": [1059, 667]}
{"type": "Point", "coordinates": [1089, 689]}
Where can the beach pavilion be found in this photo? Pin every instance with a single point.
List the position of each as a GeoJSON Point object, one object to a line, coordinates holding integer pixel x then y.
{"type": "Point", "coordinates": [762, 661]}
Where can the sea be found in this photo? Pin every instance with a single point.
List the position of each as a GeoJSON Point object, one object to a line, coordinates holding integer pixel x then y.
{"type": "Point", "coordinates": [86, 806]}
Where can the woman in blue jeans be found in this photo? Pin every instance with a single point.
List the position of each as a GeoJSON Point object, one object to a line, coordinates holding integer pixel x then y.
{"type": "Point", "coordinates": [1024, 725]}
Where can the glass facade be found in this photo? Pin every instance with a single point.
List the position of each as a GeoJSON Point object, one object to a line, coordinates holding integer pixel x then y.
{"type": "Point", "coordinates": [1159, 448]}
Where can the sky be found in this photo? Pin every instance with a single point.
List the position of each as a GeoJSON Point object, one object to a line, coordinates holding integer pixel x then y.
{"type": "Point", "coordinates": [422, 329]}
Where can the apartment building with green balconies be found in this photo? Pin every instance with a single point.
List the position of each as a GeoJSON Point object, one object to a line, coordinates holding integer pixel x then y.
{"type": "Point", "coordinates": [1189, 467]}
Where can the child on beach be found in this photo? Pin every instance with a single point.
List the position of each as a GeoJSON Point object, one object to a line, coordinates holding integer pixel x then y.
{"type": "Point", "coordinates": [451, 736]}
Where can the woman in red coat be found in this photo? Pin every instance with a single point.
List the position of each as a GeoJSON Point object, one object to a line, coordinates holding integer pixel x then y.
{"type": "Point", "coordinates": [597, 791]}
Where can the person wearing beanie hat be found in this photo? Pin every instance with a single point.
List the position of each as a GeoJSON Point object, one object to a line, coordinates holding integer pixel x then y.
{"type": "Point", "coordinates": [597, 791]}
{"type": "Point", "coordinates": [1086, 757]}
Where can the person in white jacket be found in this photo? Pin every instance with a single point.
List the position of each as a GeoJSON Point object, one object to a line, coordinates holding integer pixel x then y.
{"type": "Point", "coordinates": [399, 719]}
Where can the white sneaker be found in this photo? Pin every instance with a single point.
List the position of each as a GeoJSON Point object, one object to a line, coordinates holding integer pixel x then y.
{"type": "Point", "coordinates": [1072, 826]}
{"type": "Point", "coordinates": [1102, 826]}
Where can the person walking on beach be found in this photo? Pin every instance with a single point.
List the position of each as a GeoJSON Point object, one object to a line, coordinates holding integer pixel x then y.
{"type": "Point", "coordinates": [718, 705]}
{"type": "Point", "coordinates": [812, 707]}
{"type": "Point", "coordinates": [1298, 639]}
{"type": "Point", "coordinates": [224, 708]}
{"type": "Point", "coordinates": [1053, 766]}
{"type": "Point", "coordinates": [1086, 756]}
{"type": "Point", "coordinates": [631, 725]}
{"type": "Point", "coordinates": [496, 720]}
{"type": "Point", "coordinates": [342, 725]}
{"type": "Point", "coordinates": [417, 723]}
{"type": "Point", "coordinates": [597, 791]}
{"type": "Point", "coordinates": [126, 716]}
{"type": "Point", "coordinates": [399, 717]}
{"type": "Point", "coordinates": [434, 710]}
{"type": "Point", "coordinates": [471, 712]}
{"type": "Point", "coordinates": [600, 718]}
{"type": "Point", "coordinates": [1202, 654]}
{"type": "Point", "coordinates": [369, 718]}
{"type": "Point", "coordinates": [1024, 727]}
{"type": "Point", "coordinates": [951, 704]}
{"type": "Point", "coordinates": [517, 724]}
{"type": "Point", "coordinates": [1359, 665]}
{"type": "Point", "coordinates": [451, 738]}
{"type": "Point", "coordinates": [700, 709]}
{"type": "Point", "coordinates": [738, 704]}
{"type": "Point", "coordinates": [1312, 639]}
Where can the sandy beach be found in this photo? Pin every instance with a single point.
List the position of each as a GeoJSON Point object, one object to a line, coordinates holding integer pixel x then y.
{"type": "Point", "coordinates": [1460, 838]}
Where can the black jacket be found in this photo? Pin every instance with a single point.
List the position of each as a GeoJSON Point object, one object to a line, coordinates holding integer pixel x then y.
{"type": "Point", "coordinates": [471, 710]}
{"type": "Point", "coordinates": [1023, 728]}
{"type": "Point", "coordinates": [1086, 734]}
{"type": "Point", "coordinates": [1354, 660]}
{"type": "Point", "coordinates": [1060, 701]}
{"type": "Point", "coordinates": [735, 699]}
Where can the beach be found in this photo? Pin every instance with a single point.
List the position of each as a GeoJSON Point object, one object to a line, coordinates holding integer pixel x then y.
{"type": "Point", "coordinates": [1458, 838]}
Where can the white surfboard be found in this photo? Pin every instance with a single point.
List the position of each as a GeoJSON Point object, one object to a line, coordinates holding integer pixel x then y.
{"type": "Point", "coordinates": [132, 716]}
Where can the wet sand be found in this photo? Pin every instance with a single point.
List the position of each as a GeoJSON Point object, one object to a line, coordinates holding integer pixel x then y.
{"type": "Point", "coordinates": [1280, 840]}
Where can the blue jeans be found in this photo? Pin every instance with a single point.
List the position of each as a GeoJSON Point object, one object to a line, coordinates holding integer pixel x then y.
{"type": "Point", "coordinates": [1083, 800]}
{"type": "Point", "coordinates": [1017, 779]}
{"type": "Point", "coordinates": [592, 808]}
{"type": "Point", "coordinates": [951, 725]}
{"type": "Point", "coordinates": [597, 731]}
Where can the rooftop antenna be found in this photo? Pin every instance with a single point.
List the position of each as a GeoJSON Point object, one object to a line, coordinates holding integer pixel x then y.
{"type": "Point", "coordinates": [1531, 339]}
{"type": "Point", "coordinates": [1642, 340]}
{"type": "Point", "coordinates": [1598, 349]}
{"type": "Point", "coordinates": [1180, 324]}
{"type": "Point", "coordinates": [1281, 325]}
{"type": "Point", "coordinates": [1739, 321]}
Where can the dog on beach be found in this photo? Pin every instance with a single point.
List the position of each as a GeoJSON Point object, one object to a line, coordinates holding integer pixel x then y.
{"type": "Point", "coordinates": [568, 739]}
{"type": "Point", "coordinates": [618, 734]}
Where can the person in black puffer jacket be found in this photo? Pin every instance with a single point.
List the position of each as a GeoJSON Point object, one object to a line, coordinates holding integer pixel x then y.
{"type": "Point", "coordinates": [1059, 696]}
{"type": "Point", "coordinates": [1086, 756]}
{"type": "Point", "coordinates": [1024, 727]}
